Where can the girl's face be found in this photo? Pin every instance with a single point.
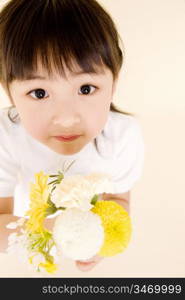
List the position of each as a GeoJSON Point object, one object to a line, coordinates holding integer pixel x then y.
{"type": "Point", "coordinates": [55, 106]}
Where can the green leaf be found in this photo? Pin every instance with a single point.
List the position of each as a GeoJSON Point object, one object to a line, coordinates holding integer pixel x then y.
{"type": "Point", "coordinates": [94, 199]}
{"type": "Point", "coordinates": [54, 181]}
{"type": "Point", "coordinates": [62, 208]}
{"type": "Point", "coordinates": [58, 178]}
{"type": "Point", "coordinates": [52, 208]}
{"type": "Point", "coordinates": [65, 170]}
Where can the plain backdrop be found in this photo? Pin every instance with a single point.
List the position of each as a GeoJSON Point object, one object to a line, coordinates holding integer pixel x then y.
{"type": "Point", "coordinates": [151, 86]}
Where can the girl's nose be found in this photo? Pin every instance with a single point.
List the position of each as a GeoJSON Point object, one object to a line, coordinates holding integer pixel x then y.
{"type": "Point", "coordinates": [65, 112]}
{"type": "Point", "coordinates": [66, 117]}
{"type": "Point", "coordinates": [66, 120]}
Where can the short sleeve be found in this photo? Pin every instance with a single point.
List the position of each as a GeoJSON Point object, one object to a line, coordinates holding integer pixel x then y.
{"type": "Point", "coordinates": [9, 168]}
{"type": "Point", "coordinates": [129, 157]}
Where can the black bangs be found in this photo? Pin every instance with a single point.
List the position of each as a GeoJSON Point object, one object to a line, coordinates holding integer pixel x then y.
{"type": "Point", "coordinates": [58, 33]}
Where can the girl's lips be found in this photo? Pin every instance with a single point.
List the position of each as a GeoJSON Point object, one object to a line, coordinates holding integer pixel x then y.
{"type": "Point", "coordinates": [67, 139]}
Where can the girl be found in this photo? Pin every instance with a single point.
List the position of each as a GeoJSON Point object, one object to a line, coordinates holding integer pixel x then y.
{"type": "Point", "coordinates": [59, 65]}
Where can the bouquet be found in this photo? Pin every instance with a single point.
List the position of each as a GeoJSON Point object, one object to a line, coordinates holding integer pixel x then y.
{"type": "Point", "coordinates": [84, 225]}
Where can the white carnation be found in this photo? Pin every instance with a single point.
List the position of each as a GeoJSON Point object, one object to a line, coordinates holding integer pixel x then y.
{"type": "Point", "coordinates": [102, 182]}
{"type": "Point", "coordinates": [78, 191]}
{"type": "Point", "coordinates": [77, 234]}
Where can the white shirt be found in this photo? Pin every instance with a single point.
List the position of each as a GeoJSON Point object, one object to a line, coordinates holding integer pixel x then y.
{"type": "Point", "coordinates": [118, 151]}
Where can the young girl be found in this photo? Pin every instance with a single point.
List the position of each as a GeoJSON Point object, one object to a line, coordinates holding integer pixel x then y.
{"type": "Point", "coordinates": [59, 64]}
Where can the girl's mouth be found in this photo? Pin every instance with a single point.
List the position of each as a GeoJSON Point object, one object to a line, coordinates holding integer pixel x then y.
{"type": "Point", "coordinates": [67, 138]}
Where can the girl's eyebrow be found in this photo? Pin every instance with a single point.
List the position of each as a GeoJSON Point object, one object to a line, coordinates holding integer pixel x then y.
{"type": "Point", "coordinates": [73, 74]}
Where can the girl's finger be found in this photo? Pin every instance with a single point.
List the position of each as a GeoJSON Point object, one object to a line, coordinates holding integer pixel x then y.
{"type": "Point", "coordinates": [88, 264]}
{"type": "Point", "coordinates": [85, 266]}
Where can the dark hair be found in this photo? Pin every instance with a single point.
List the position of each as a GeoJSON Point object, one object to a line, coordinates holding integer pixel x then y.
{"type": "Point", "coordinates": [58, 32]}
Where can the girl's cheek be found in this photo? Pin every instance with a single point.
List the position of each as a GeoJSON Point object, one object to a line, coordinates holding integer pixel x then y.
{"type": "Point", "coordinates": [35, 127]}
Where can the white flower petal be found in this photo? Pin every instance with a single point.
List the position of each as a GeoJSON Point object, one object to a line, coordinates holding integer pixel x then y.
{"type": "Point", "coordinates": [12, 225]}
{"type": "Point", "coordinates": [79, 235]}
{"type": "Point", "coordinates": [21, 221]}
{"type": "Point", "coordinates": [13, 237]}
{"type": "Point", "coordinates": [77, 191]}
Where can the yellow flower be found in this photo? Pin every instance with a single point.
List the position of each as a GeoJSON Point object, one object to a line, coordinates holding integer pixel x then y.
{"type": "Point", "coordinates": [39, 193]}
{"type": "Point", "coordinates": [117, 227]}
{"type": "Point", "coordinates": [49, 267]}
{"type": "Point", "coordinates": [30, 259]}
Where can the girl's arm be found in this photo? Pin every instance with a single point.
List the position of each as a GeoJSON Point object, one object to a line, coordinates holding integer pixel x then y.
{"type": "Point", "coordinates": [4, 232]}
{"type": "Point", "coordinates": [122, 199]}
{"type": "Point", "coordinates": [6, 217]}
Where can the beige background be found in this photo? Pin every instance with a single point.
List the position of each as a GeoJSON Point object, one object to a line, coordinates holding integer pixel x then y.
{"type": "Point", "coordinates": [151, 85]}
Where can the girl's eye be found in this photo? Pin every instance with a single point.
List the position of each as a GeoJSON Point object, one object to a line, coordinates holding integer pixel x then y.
{"type": "Point", "coordinates": [86, 89]}
{"type": "Point", "coordinates": [41, 94]}
{"type": "Point", "coordinates": [38, 93]}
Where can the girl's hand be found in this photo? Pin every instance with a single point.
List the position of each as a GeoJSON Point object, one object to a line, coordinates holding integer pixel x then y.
{"type": "Point", "coordinates": [49, 222]}
{"type": "Point", "coordinates": [81, 265]}
{"type": "Point", "coordinates": [88, 264]}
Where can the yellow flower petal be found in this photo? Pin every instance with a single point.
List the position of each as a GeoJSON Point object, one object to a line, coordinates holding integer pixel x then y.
{"type": "Point", "coordinates": [117, 227]}
{"type": "Point", "coordinates": [49, 267]}
{"type": "Point", "coordinates": [30, 259]}
{"type": "Point", "coordinates": [39, 193]}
